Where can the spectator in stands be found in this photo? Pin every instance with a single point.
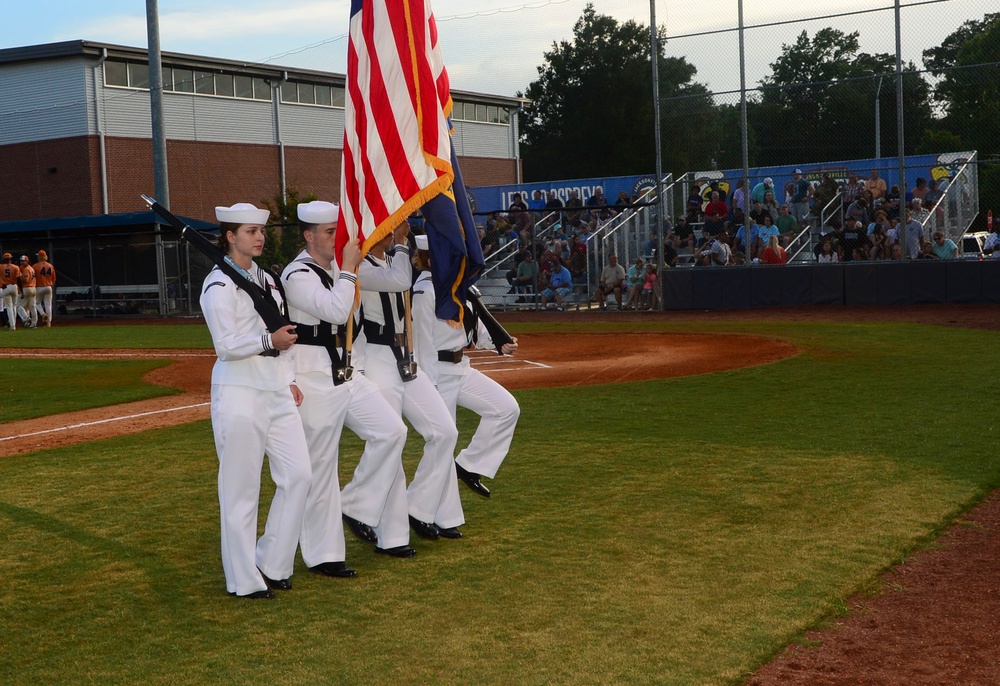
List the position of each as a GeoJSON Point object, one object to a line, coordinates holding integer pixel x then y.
{"type": "Point", "coordinates": [881, 220]}
{"type": "Point", "coordinates": [919, 213]}
{"type": "Point", "coordinates": [891, 203]}
{"type": "Point", "coordinates": [858, 211]}
{"type": "Point", "coordinates": [720, 253]}
{"type": "Point", "coordinates": [694, 211]}
{"type": "Point", "coordinates": [574, 211]}
{"type": "Point", "coordinates": [554, 207]}
{"type": "Point", "coordinates": [623, 202]}
{"type": "Point", "coordinates": [559, 288]}
{"type": "Point", "coordinates": [802, 192]}
{"type": "Point", "coordinates": [757, 213]}
{"type": "Point", "coordinates": [739, 204]}
{"type": "Point", "coordinates": [747, 246]}
{"type": "Point", "coordinates": [519, 215]}
{"type": "Point", "coordinates": [944, 248]}
{"type": "Point", "coordinates": [933, 194]}
{"type": "Point", "coordinates": [612, 280]}
{"type": "Point", "coordinates": [927, 252]}
{"type": "Point", "coordinates": [576, 259]}
{"type": "Point", "coordinates": [897, 252]}
{"type": "Point", "coordinates": [765, 232]}
{"type": "Point", "coordinates": [716, 215]}
{"type": "Point", "coordinates": [522, 280]}
{"type": "Point", "coordinates": [879, 245]}
{"type": "Point", "coordinates": [683, 234]}
{"type": "Point", "coordinates": [773, 253]}
{"type": "Point", "coordinates": [633, 283]}
{"type": "Point", "coordinates": [914, 234]}
{"type": "Point", "coordinates": [854, 240]}
{"type": "Point", "coordinates": [770, 205]}
{"type": "Point", "coordinates": [827, 254]}
{"type": "Point", "coordinates": [537, 206]}
{"type": "Point", "coordinates": [496, 226]}
{"type": "Point", "coordinates": [836, 238]}
{"type": "Point", "coordinates": [875, 186]}
{"type": "Point", "coordinates": [596, 201]}
{"type": "Point", "coordinates": [765, 186]}
{"type": "Point", "coordinates": [991, 246]}
{"type": "Point", "coordinates": [852, 190]}
{"type": "Point", "coordinates": [650, 290]}
{"type": "Point", "coordinates": [824, 194]}
{"type": "Point", "coordinates": [920, 189]}
{"type": "Point", "coordinates": [787, 226]}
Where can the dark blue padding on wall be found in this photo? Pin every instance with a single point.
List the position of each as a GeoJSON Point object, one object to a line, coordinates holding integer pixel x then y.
{"type": "Point", "coordinates": [827, 284]}
{"type": "Point", "coordinates": [991, 279]}
{"type": "Point", "coordinates": [796, 285]}
{"type": "Point", "coordinates": [965, 281]}
{"type": "Point", "coordinates": [736, 285]}
{"type": "Point", "coordinates": [893, 282]}
{"type": "Point", "coordinates": [928, 281]}
{"type": "Point", "coordinates": [860, 284]}
{"type": "Point", "coordinates": [677, 289]}
{"type": "Point", "coordinates": [766, 286]}
{"type": "Point", "coordinates": [707, 288]}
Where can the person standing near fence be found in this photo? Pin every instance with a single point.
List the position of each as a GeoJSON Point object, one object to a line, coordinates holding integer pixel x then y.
{"type": "Point", "coordinates": [45, 287]}
{"type": "Point", "coordinates": [254, 410]}
{"type": "Point", "coordinates": [9, 276]}
{"type": "Point", "coordinates": [26, 308]}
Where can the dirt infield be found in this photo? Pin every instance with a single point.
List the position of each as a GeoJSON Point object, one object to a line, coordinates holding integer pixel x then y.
{"type": "Point", "coordinates": [938, 621]}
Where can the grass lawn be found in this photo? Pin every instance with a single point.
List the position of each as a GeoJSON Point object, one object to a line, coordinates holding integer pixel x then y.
{"type": "Point", "coordinates": [663, 532]}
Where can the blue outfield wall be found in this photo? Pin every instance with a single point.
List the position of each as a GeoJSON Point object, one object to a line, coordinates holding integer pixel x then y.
{"type": "Point", "coordinates": [932, 166]}
{"type": "Point", "coordinates": [860, 283]}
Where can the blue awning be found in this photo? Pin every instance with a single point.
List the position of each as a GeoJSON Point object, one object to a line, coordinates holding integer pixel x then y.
{"type": "Point", "coordinates": [93, 223]}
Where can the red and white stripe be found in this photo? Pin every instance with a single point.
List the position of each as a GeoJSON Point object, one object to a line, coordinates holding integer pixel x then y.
{"type": "Point", "coordinates": [397, 147]}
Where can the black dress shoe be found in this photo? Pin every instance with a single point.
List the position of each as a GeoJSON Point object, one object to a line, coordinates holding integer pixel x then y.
{"type": "Point", "coordinates": [361, 530]}
{"type": "Point", "coordinates": [472, 480]}
{"type": "Point", "coordinates": [266, 594]}
{"type": "Point", "coordinates": [450, 532]}
{"type": "Point", "coordinates": [277, 584]}
{"type": "Point", "coordinates": [423, 529]}
{"type": "Point", "coordinates": [338, 569]}
{"type": "Point", "coordinates": [398, 551]}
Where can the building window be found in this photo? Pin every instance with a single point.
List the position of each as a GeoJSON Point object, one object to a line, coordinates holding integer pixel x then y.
{"type": "Point", "coordinates": [261, 89]}
{"type": "Point", "coordinates": [224, 85]}
{"type": "Point", "coordinates": [307, 94]}
{"type": "Point", "coordinates": [115, 73]}
{"type": "Point", "coordinates": [138, 75]}
{"type": "Point", "coordinates": [338, 96]}
{"type": "Point", "coordinates": [204, 82]}
{"type": "Point", "coordinates": [323, 96]}
{"type": "Point", "coordinates": [243, 87]}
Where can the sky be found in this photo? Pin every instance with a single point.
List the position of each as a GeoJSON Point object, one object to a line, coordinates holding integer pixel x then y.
{"type": "Point", "coordinates": [490, 46]}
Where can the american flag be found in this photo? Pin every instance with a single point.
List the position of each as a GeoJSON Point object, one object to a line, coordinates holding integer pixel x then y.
{"type": "Point", "coordinates": [398, 154]}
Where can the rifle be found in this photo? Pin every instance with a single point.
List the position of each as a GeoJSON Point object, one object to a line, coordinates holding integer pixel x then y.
{"type": "Point", "coordinates": [407, 365]}
{"type": "Point", "coordinates": [493, 327]}
{"type": "Point", "coordinates": [266, 308]}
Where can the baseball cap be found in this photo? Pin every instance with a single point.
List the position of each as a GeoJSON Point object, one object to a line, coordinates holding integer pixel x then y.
{"type": "Point", "coordinates": [7, 256]}
{"type": "Point", "coordinates": [42, 254]}
{"type": "Point", "coordinates": [798, 171]}
{"type": "Point", "coordinates": [768, 181]}
{"type": "Point", "coordinates": [24, 258]}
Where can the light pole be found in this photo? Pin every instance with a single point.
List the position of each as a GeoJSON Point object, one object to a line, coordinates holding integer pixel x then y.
{"type": "Point", "coordinates": [878, 114]}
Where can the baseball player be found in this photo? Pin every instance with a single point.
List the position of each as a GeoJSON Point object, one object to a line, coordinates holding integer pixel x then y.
{"type": "Point", "coordinates": [254, 410]}
{"type": "Point", "coordinates": [26, 307]}
{"type": "Point", "coordinates": [385, 283]}
{"type": "Point", "coordinates": [10, 274]}
{"type": "Point", "coordinates": [320, 298]}
{"type": "Point", "coordinates": [45, 287]}
{"type": "Point", "coordinates": [439, 349]}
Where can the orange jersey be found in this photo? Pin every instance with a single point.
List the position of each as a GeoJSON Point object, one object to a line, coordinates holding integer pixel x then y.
{"type": "Point", "coordinates": [27, 277]}
{"type": "Point", "coordinates": [9, 273]}
{"type": "Point", "coordinates": [45, 274]}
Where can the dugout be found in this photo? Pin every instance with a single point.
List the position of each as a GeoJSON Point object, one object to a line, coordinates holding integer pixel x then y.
{"type": "Point", "coordinates": [849, 283]}
{"type": "Point", "coordinates": [107, 264]}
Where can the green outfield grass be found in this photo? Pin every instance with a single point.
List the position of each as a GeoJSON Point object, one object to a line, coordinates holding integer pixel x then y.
{"type": "Point", "coordinates": [665, 532]}
{"type": "Point", "coordinates": [132, 336]}
{"type": "Point", "coordinates": [40, 387]}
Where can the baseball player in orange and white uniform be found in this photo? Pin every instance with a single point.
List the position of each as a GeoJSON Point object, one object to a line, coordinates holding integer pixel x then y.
{"type": "Point", "coordinates": [26, 307]}
{"type": "Point", "coordinates": [45, 286]}
{"type": "Point", "coordinates": [10, 274]}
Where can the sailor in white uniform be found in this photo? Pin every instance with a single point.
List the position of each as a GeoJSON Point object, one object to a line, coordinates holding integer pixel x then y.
{"type": "Point", "coordinates": [439, 349]}
{"type": "Point", "coordinates": [254, 411]}
{"type": "Point", "coordinates": [408, 390]}
{"type": "Point", "coordinates": [320, 300]}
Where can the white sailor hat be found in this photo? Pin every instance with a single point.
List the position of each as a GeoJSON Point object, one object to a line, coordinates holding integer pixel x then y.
{"type": "Point", "coordinates": [318, 212]}
{"type": "Point", "coordinates": [242, 213]}
{"type": "Point", "coordinates": [421, 241]}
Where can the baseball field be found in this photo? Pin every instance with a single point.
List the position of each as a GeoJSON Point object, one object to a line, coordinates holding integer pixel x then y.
{"type": "Point", "coordinates": [686, 495]}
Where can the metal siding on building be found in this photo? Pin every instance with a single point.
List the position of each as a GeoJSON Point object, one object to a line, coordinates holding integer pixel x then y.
{"type": "Point", "coordinates": [43, 101]}
{"type": "Point", "coordinates": [312, 126]}
{"type": "Point", "coordinates": [482, 140]}
{"type": "Point", "coordinates": [190, 117]}
{"type": "Point", "coordinates": [232, 120]}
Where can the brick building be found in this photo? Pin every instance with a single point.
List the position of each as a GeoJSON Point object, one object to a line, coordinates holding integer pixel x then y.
{"type": "Point", "coordinates": [75, 132]}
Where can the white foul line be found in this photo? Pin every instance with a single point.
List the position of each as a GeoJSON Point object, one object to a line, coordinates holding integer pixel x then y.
{"type": "Point", "coordinates": [102, 421]}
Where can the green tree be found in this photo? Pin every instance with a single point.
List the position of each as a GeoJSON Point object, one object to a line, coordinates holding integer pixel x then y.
{"type": "Point", "coordinates": [283, 240]}
{"type": "Point", "coordinates": [818, 102]}
{"type": "Point", "coordinates": [591, 108]}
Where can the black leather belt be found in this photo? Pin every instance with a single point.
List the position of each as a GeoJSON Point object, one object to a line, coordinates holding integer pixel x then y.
{"type": "Point", "coordinates": [453, 356]}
